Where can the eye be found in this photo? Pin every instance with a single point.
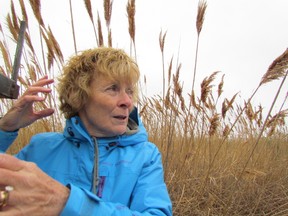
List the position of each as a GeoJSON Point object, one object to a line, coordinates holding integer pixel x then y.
{"type": "Point", "coordinates": [113, 87]}
{"type": "Point", "coordinates": [130, 91]}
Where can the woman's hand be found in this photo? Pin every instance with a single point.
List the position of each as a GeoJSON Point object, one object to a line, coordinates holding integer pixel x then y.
{"type": "Point", "coordinates": [34, 193]}
{"type": "Point", "coordinates": [22, 113]}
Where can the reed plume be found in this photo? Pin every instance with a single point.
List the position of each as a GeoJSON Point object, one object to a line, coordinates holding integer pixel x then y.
{"type": "Point", "coordinates": [277, 69]}
{"type": "Point", "coordinates": [202, 6]}
{"type": "Point", "coordinates": [214, 124]}
{"type": "Point", "coordinates": [108, 11]}
{"type": "Point", "coordinates": [131, 8]}
{"type": "Point", "coordinates": [100, 35]}
{"type": "Point", "coordinates": [206, 86]}
{"type": "Point", "coordinates": [107, 15]}
{"type": "Point", "coordinates": [24, 12]}
{"type": "Point", "coordinates": [14, 18]}
{"type": "Point", "coordinates": [131, 11]}
{"type": "Point", "coordinates": [162, 45]}
{"type": "Point", "coordinates": [36, 8]}
{"type": "Point", "coordinates": [88, 7]}
{"type": "Point", "coordinates": [73, 28]}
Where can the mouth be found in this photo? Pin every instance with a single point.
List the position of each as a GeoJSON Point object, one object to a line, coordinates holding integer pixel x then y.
{"type": "Point", "coordinates": [121, 117]}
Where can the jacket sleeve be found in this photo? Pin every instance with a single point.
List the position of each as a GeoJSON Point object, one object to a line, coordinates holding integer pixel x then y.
{"type": "Point", "coordinates": [150, 196]}
{"type": "Point", "coordinates": [6, 139]}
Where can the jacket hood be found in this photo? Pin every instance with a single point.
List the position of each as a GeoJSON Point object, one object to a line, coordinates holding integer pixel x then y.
{"type": "Point", "coordinates": [135, 133]}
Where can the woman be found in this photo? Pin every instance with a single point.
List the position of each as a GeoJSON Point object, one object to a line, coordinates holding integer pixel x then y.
{"type": "Point", "coordinates": [102, 164]}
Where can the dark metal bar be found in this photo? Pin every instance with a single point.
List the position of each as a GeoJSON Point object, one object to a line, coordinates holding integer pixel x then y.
{"type": "Point", "coordinates": [18, 54]}
{"type": "Point", "coordinates": [9, 87]}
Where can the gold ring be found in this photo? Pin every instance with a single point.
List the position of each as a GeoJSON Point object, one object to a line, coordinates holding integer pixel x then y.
{"type": "Point", "coordinates": [4, 195]}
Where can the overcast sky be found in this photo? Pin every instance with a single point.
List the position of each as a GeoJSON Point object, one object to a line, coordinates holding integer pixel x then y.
{"type": "Point", "coordinates": [240, 38]}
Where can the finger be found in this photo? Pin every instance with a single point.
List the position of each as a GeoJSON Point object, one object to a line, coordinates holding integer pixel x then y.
{"type": "Point", "coordinates": [10, 162]}
{"type": "Point", "coordinates": [43, 81]}
{"type": "Point", "coordinates": [36, 89]}
{"type": "Point", "coordinates": [44, 113]}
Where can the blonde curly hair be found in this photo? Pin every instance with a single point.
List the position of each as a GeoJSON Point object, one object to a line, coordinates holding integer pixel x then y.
{"type": "Point", "coordinates": [80, 70]}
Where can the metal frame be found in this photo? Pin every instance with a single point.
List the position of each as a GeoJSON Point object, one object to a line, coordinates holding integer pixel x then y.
{"type": "Point", "coordinates": [9, 87]}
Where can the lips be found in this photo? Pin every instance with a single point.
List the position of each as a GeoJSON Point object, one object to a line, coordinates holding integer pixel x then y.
{"type": "Point", "coordinates": [121, 117]}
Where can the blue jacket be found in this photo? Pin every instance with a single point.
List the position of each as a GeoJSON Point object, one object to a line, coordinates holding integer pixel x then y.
{"type": "Point", "coordinates": [130, 170]}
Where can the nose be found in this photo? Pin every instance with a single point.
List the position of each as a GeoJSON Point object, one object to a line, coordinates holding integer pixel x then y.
{"type": "Point", "coordinates": [125, 100]}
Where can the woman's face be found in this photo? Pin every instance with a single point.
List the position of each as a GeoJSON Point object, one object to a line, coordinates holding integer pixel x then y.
{"type": "Point", "coordinates": [107, 110]}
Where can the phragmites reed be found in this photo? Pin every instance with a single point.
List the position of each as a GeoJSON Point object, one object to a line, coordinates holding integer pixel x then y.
{"type": "Point", "coordinates": [50, 54]}
{"type": "Point", "coordinates": [220, 86]}
{"type": "Point", "coordinates": [55, 44]}
{"type": "Point", "coordinates": [214, 124]}
{"type": "Point", "coordinates": [23, 10]}
{"type": "Point", "coordinates": [162, 44]}
{"type": "Point", "coordinates": [107, 14]}
{"type": "Point", "coordinates": [36, 7]}
{"type": "Point", "coordinates": [12, 28]}
{"type": "Point", "coordinates": [14, 17]}
{"type": "Point", "coordinates": [206, 86]}
{"type": "Point", "coordinates": [73, 29]}
{"type": "Point", "coordinates": [202, 5]}
{"type": "Point", "coordinates": [170, 71]}
{"type": "Point", "coordinates": [5, 56]}
{"type": "Point", "coordinates": [88, 7]}
{"type": "Point", "coordinates": [108, 11]}
{"type": "Point", "coordinates": [162, 41]}
{"type": "Point", "coordinates": [130, 8]}
{"type": "Point", "coordinates": [100, 35]}
{"type": "Point", "coordinates": [277, 69]}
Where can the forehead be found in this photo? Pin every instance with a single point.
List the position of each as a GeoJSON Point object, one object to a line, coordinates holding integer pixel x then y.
{"type": "Point", "coordinates": [103, 80]}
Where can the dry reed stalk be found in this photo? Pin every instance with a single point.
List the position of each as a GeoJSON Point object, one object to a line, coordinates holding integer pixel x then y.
{"type": "Point", "coordinates": [100, 35]}
{"type": "Point", "coordinates": [130, 8]}
{"type": "Point", "coordinates": [162, 41]}
{"type": "Point", "coordinates": [55, 45]}
{"type": "Point", "coordinates": [32, 72]}
{"type": "Point", "coordinates": [23, 10]}
{"type": "Point", "coordinates": [29, 42]}
{"type": "Point", "coordinates": [193, 101]}
{"type": "Point", "coordinates": [220, 86]}
{"type": "Point", "coordinates": [202, 6]}
{"type": "Point", "coordinates": [108, 11]}
{"type": "Point", "coordinates": [50, 54]}
{"type": "Point", "coordinates": [214, 124]}
{"type": "Point", "coordinates": [162, 45]}
{"type": "Point", "coordinates": [110, 38]}
{"type": "Point", "coordinates": [131, 11]}
{"type": "Point", "coordinates": [14, 17]}
{"type": "Point", "coordinates": [224, 108]}
{"type": "Point", "coordinates": [170, 71]}
{"type": "Point", "coordinates": [6, 58]}
{"type": "Point", "coordinates": [73, 28]}
{"type": "Point", "coordinates": [178, 89]}
{"type": "Point", "coordinates": [249, 111]}
{"type": "Point", "coordinates": [36, 8]}
{"type": "Point", "coordinates": [88, 7]}
{"type": "Point", "coordinates": [277, 69]}
{"type": "Point", "coordinates": [206, 86]}
{"type": "Point", "coordinates": [11, 27]}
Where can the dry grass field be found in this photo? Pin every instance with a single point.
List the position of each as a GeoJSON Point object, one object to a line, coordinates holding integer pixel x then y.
{"type": "Point", "coordinates": [220, 157]}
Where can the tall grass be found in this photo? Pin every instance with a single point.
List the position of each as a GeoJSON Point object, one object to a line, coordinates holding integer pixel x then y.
{"type": "Point", "coordinates": [221, 157]}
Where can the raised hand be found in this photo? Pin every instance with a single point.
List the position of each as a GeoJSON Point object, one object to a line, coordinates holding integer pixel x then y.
{"type": "Point", "coordinates": [22, 112]}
